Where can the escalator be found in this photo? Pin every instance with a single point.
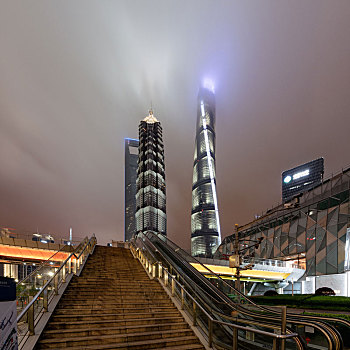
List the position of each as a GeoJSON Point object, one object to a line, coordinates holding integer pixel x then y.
{"type": "Point", "coordinates": [323, 332]}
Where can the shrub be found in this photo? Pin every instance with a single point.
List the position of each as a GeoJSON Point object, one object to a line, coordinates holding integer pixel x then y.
{"type": "Point", "coordinates": [270, 293]}
{"type": "Point", "coordinates": [324, 291]}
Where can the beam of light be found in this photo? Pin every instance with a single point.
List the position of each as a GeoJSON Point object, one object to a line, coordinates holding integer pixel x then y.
{"type": "Point", "coordinates": [211, 172]}
{"type": "Point", "coordinates": [209, 84]}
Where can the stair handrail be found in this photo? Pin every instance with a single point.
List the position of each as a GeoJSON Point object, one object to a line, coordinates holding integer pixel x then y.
{"type": "Point", "coordinates": [45, 261]}
{"type": "Point", "coordinates": [147, 263]}
{"type": "Point", "coordinates": [29, 309]}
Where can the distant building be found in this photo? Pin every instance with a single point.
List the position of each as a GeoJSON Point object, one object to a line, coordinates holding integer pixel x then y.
{"type": "Point", "coordinates": [131, 157]}
{"type": "Point", "coordinates": [313, 232]}
{"type": "Point", "coordinates": [301, 178]}
{"type": "Point", "coordinates": [205, 225]}
{"type": "Point", "coordinates": [150, 197]}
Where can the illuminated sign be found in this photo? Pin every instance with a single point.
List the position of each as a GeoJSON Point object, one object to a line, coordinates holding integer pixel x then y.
{"type": "Point", "coordinates": [301, 178]}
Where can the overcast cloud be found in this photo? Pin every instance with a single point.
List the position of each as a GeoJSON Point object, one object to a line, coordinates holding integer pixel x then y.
{"type": "Point", "coordinates": [76, 77]}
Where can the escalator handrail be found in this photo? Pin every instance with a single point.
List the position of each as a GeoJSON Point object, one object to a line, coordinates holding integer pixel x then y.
{"type": "Point", "coordinates": [231, 325]}
{"type": "Point", "coordinates": [291, 316]}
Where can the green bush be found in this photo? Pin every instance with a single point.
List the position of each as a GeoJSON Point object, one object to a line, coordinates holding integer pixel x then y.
{"type": "Point", "coordinates": [306, 301]}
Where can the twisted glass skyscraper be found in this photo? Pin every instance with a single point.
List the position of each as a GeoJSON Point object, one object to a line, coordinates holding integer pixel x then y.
{"type": "Point", "coordinates": [150, 197]}
{"type": "Point", "coordinates": [205, 225]}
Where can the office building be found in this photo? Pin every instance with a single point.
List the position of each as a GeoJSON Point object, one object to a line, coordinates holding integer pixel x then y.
{"type": "Point", "coordinates": [205, 225]}
{"type": "Point", "coordinates": [312, 231]}
{"type": "Point", "coordinates": [150, 197]}
{"type": "Point", "coordinates": [131, 157]}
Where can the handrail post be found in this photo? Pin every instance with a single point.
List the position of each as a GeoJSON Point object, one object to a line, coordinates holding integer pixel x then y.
{"type": "Point", "coordinates": [194, 306]}
{"type": "Point", "coordinates": [235, 339]}
{"type": "Point", "coordinates": [166, 277]}
{"type": "Point", "coordinates": [154, 271]}
{"type": "Point", "coordinates": [31, 317]}
{"type": "Point", "coordinates": [75, 265]}
{"type": "Point", "coordinates": [45, 298]}
{"type": "Point", "coordinates": [210, 332]}
{"type": "Point", "coordinates": [70, 265]}
{"type": "Point", "coordinates": [283, 326]}
{"type": "Point", "coordinates": [55, 281]}
{"type": "Point", "coordinates": [274, 344]}
{"type": "Point", "coordinates": [64, 273]}
{"type": "Point", "coordinates": [172, 285]}
{"type": "Point", "coordinates": [182, 299]}
{"type": "Point", "coordinates": [160, 270]}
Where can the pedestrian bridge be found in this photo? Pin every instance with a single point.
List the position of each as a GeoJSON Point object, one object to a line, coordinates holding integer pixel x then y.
{"type": "Point", "coordinates": [262, 270]}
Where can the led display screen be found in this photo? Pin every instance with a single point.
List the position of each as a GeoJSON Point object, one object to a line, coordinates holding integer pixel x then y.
{"type": "Point", "coordinates": [302, 178]}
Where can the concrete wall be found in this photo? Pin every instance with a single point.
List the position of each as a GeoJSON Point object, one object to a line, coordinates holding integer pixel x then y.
{"type": "Point", "coordinates": [340, 283]}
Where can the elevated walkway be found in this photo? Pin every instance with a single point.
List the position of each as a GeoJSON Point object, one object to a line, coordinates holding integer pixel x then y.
{"type": "Point", "coordinates": [14, 249]}
{"type": "Point", "coordinates": [263, 270]}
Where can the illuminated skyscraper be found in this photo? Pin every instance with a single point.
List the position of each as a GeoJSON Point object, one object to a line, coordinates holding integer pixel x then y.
{"type": "Point", "coordinates": [131, 157]}
{"type": "Point", "coordinates": [205, 225]}
{"type": "Point", "coordinates": [150, 197]}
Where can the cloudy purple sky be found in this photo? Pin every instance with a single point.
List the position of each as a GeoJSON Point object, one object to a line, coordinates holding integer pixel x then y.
{"type": "Point", "coordinates": [76, 77]}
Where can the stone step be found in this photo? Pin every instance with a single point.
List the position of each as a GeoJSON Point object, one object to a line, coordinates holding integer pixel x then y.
{"type": "Point", "coordinates": [146, 309]}
{"type": "Point", "coordinates": [89, 331]}
{"type": "Point", "coordinates": [113, 323]}
{"type": "Point", "coordinates": [114, 338]}
{"type": "Point", "coordinates": [177, 343]}
{"type": "Point", "coordinates": [112, 316]}
{"type": "Point", "coordinates": [114, 304]}
{"type": "Point", "coordinates": [118, 304]}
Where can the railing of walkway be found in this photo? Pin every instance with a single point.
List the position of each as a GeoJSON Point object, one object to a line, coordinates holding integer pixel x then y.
{"type": "Point", "coordinates": [206, 323]}
{"type": "Point", "coordinates": [38, 304]}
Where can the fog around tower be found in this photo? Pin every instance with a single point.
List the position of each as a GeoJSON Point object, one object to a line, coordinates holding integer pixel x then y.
{"type": "Point", "coordinates": [77, 77]}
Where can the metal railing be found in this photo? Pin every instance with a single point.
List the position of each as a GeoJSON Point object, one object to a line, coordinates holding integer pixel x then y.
{"type": "Point", "coordinates": [194, 308]}
{"type": "Point", "coordinates": [39, 304]}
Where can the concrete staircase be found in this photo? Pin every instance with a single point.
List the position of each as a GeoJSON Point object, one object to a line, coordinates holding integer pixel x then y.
{"type": "Point", "coordinates": [114, 305]}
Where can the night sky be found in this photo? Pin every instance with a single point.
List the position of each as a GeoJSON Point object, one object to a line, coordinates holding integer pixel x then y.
{"type": "Point", "coordinates": [76, 77]}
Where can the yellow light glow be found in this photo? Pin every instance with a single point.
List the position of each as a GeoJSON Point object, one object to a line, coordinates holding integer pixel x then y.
{"type": "Point", "coordinates": [228, 271]}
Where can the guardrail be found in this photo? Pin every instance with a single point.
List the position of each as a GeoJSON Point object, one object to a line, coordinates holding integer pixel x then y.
{"type": "Point", "coordinates": [193, 308]}
{"type": "Point", "coordinates": [39, 304]}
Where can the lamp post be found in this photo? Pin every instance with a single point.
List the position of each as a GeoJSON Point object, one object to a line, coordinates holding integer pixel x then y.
{"type": "Point", "coordinates": [235, 259]}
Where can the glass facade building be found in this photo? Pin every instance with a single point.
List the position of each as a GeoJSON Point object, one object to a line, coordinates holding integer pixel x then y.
{"type": "Point", "coordinates": [315, 229]}
{"type": "Point", "coordinates": [131, 157]}
{"type": "Point", "coordinates": [150, 197]}
{"type": "Point", "coordinates": [205, 225]}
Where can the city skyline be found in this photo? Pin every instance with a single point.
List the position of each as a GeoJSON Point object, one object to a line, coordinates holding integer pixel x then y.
{"type": "Point", "coordinates": [75, 83]}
